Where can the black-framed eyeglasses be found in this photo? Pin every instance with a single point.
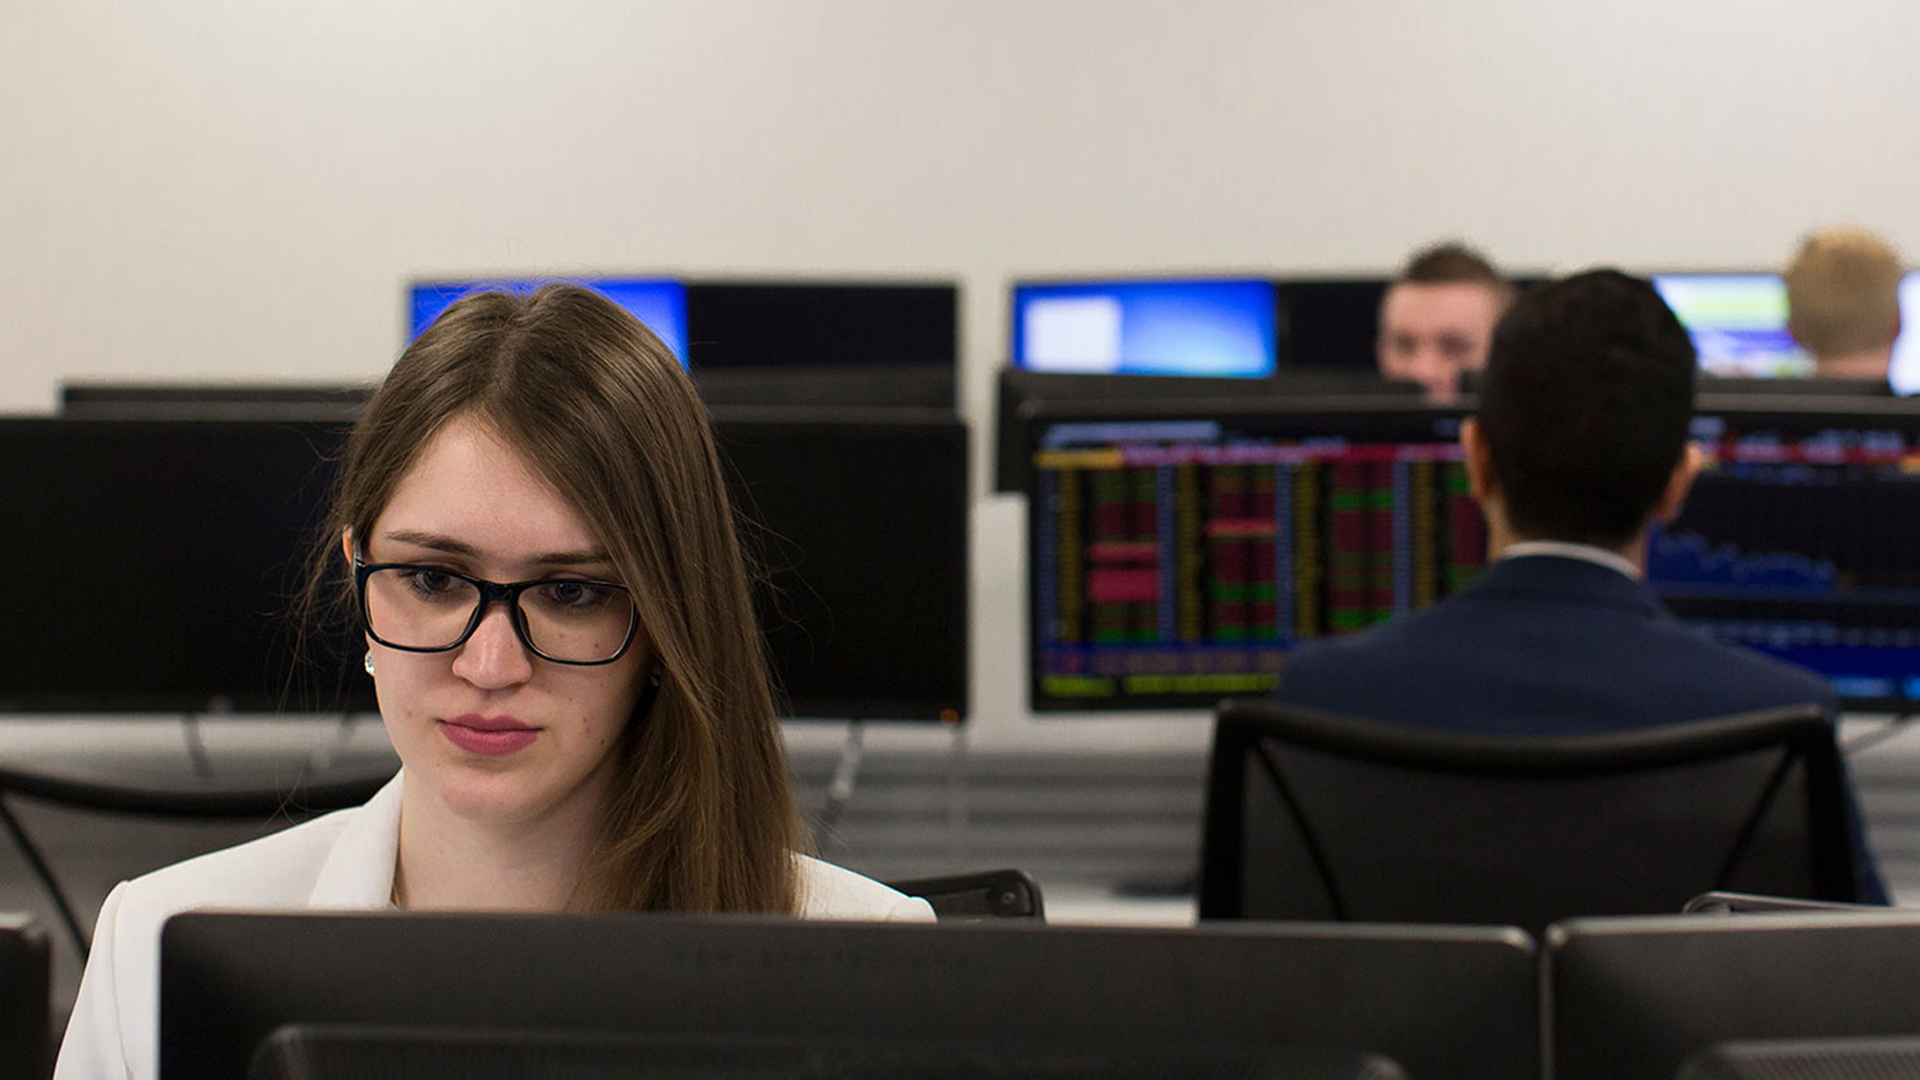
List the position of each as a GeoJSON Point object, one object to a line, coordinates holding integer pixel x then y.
{"type": "Point", "coordinates": [432, 609]}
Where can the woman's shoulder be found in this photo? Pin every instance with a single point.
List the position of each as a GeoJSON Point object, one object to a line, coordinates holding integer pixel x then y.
{"type": "Point", "coordinates": [834, 892]}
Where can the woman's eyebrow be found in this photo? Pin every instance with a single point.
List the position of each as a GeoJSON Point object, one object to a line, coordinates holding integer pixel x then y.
{"type": "Point", "coordinates": [451, 546]}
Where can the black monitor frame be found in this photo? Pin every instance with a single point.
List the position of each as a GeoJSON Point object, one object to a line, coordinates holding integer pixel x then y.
{"type": "Point", "coordinates": [1444, 1002]}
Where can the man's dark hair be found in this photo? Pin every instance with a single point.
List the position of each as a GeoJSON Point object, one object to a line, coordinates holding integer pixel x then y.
{"type": "Point", "coordinates": [1451, 263]}
{"type": "Point", "coordinates": [1585, 405]}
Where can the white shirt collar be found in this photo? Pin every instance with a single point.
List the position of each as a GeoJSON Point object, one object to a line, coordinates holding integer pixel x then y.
{"type": "Point", "coordinates": [1564, 549]}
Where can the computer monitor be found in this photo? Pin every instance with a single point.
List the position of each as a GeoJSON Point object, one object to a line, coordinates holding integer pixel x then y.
{"type": "Point", "coordinates": [1217, 327]}
{"type": "Point", "coordinates": [1738, 322]}
{"type": "Point", "coordinates": [326, 402]}
{"type": "Point", "coordinates": [661, 303]}
{"type": "Point", "coordinates": [1442, 1002]}
{"type": "Point", "coordinates": [1797, 539]}
{"type": "Point", "coordinates": [24, 997]}
{"type": "Point", "coordinates": [1330, 322]}
{"type": "Point", "coordinates": [858, 522]}
{"type": "Point", "coordinates": [1904, 372]}
{"type": "Point", "coordinates": [155, 561]}
{"type": "Point", "coordinates": [823, 324]}
{"type": "Point", "coordinates": [1176, 552]}
{"type": "Point", "coordinates": [1638, 996]}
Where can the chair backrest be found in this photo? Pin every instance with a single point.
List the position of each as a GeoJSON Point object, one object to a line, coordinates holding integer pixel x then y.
{"type": "Point", "coordinates": [986, 894]}
{"type": "Point", "coordinates": [1313, 815]}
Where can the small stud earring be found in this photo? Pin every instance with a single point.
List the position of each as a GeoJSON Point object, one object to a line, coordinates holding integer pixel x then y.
{"type": "Point", "coordinates": [369, 663]}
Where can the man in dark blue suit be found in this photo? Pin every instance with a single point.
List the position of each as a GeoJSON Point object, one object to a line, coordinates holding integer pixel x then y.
{"type": "Point", "coordinates": [1578, 447]}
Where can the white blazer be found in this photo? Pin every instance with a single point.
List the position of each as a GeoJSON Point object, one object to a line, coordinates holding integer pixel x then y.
{"type": "Point", "coordinates": [342, 861]}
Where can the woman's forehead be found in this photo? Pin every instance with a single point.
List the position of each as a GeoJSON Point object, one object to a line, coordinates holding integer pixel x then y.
{"type": "Point", "coordinates": [470, 486]}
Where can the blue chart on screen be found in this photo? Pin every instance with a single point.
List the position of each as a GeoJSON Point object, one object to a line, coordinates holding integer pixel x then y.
{"type": "Point", "coordinates": [1796, 541]}
{"type": "Point", "coordinates": [658, 302]}
{"type": "Point", "coordinates": [1211, 328]}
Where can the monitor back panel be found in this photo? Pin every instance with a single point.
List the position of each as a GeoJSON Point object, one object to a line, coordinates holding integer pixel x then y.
{"type": "Point", "coordinates": [1639, 996]}
{"type": "Point", "coordinates": [1442, 1002]}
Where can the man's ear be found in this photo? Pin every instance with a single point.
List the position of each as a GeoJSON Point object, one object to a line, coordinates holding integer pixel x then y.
{"type": "Point", "coordinates": [1481, 482]}
{"type": "Point", "coordinates": [1678, 484]}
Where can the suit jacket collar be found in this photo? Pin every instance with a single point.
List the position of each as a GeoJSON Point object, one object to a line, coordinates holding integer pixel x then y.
{"type": "Point", "coordinates": [1557, 578]}
{"type": "Point", "coordinates": [358, 872]}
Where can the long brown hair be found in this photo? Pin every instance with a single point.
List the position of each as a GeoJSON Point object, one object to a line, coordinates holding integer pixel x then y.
{"type": "Point", "coordinates": [701, 819]}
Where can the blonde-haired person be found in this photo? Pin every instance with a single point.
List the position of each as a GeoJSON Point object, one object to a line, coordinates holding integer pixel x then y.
{"type": "Point", "coordinates": [531, 522]}
{"type": "Point", "coordinates": [1843, 302]}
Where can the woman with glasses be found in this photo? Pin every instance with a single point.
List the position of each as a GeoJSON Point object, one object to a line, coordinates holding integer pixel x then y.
{"type": "Point", "coordinates": [530, 525]}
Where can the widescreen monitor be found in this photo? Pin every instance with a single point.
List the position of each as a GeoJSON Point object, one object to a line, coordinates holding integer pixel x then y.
{"type": "Point", "coordinates": [1198, 327]}
{"type": "Point", "coordinates": [1445, 1003]}
{"type": "Point", "coordinates": [856, 521]}
{"type": "Point", "coordinates": [661, 303]}
{"type": "Point", "coordinates": [1639, 996]}
{"type": "Point", "coordinates": [823, 324]}
{"type": "Point", "coordinates": [1738, 322]}
{"type": "Point", "coordinates": [156, 561]}
{"type": "Point", "coordinates": [1177, 552]}
{"type": "Point", "coordinates": [1904, 372]}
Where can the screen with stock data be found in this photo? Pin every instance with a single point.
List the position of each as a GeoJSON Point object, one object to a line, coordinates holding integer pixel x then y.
{"type": "Point", "coordinates": [1177, 554]}
{"type": "Point", "coordinates": [1174, 560]}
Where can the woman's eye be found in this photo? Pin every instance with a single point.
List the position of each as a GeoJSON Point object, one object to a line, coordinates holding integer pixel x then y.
{"type": "Point", "coordinates": [431, 583]}
{"type": "Point", "coordinates": [573, 594]}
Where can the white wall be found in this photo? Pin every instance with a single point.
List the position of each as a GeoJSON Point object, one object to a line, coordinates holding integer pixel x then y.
{"type": "Point", "coordinates": [204, 190]}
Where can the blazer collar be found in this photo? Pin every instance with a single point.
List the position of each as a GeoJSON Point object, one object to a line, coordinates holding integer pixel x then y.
{"type": "Point", "coordinates": [1555, 577]}
{"type": "Point", "coordinates": [358, 872]}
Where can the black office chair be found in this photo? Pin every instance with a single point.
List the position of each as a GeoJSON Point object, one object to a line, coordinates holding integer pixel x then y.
{"type": "Point", "coordinates": [1313, 815]}
{"type": "Point", "coordinates": [988, 894]}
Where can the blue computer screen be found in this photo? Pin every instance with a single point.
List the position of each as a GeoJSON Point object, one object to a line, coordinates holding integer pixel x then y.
{"type": "Point", "coordinates": [1738, 323]}
{"type": "Point", "coordinates": [1209, 328]}
{"type": "Point", "coordinates": [659, 302]}
{"type": "Point", "coordinates": [1904, 372]}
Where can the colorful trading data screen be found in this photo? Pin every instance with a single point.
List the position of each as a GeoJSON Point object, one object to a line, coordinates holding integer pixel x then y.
{"type": "Point", "coordinates": [1174, 563]}
{"type": "Point", "coordinates": [1738, 323]}
{"type": "Point", "coordinates": [1799, 539]}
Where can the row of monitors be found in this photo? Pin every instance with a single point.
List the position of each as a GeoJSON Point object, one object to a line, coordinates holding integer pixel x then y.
{"type": "Point", "coordinates": [161, 555]}
{"type": "Point", "coordinates": [1251, 328]}
{"type": "Point", "coordinates": [733, 324]}
{"type": "Point", "coordinates": [1177, 551]}
{"type": "Point", "coordinates": [697, 998]}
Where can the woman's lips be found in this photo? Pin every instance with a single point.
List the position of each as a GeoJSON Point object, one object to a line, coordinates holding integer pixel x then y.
{"type": "Point", "coordinates": [491, 736]}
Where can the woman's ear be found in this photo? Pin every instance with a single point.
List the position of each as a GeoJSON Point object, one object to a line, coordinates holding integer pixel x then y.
{"type": "Point", "coordinates": [346, 543]}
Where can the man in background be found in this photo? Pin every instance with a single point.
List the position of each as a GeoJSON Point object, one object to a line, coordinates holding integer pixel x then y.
{"type": "Point", "coordinates": [1579, 446]}
{"type": "Point", "coordinates": [1437, 318]}
{"type": "Point", "coordinates": [1843, 301]}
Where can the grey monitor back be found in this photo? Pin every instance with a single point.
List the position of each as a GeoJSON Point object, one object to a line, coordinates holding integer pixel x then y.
{"type": "Point", "coordinates": [1637, 997]}
{"type": "Point", "coordinates": [1443, 1002]}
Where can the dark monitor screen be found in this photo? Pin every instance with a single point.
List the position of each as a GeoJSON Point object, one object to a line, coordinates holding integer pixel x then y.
{"type": "Point", "coordinates": [154, 563]}
{"type": "Point", "coordinates": [1639, 996]}
{"type": "Point", "coordinates": [859, 522]}
{"type": "Point", "coordinates": [24, 997]}
{"type": "Point", "coordinates": [1797, 540]}
{"type": "Point", "coordinates": [1219, 327]}
{"type": "Point", "coordinates": [1443, 1002]}
{"type": "Point", "coordinates": [660, 303]}
{"type": "Point", "coordinates": [1176, 554]}
{"type": "Point", "coordinates": [822, 324]}
{"type": "Point", "coordinates": [1330, 322]}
